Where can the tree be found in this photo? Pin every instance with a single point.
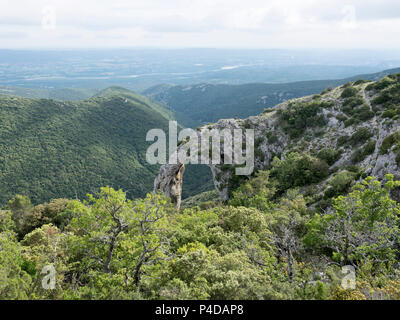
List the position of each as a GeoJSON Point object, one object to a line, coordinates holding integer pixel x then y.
{"type": "Point", "coordinates": [14, 280]}
{"type": "Point", "coordinates": [363, 225]}
{"type": "Point", "coordinates": [114, 238]}
{"type": "Point", "coordinates": [6, 221]}
{"type": "Point", "coordinates": [288, 225]}
{"type": "Point", "coordinates": [21, 208]}
{"type": "Point", "coordinates": [256, 193]}
{"type": "Point", "coordinates": [45, 252]}
{"type": "Point", "coordinates": [298, 170]}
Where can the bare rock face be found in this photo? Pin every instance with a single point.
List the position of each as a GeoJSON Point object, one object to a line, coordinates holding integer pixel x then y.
{"type": "Point", "coordinates": [272, 140]}
{"type": "Point", "coordinates": [169, 182]}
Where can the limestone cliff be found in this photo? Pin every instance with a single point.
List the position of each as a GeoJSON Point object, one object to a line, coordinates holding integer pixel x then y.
{"type": "Point", "coordinates": [358, 121]}
{"type": "Point", "coordinates": [169, 182]}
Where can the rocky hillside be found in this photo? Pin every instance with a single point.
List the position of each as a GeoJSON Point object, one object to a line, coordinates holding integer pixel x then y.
{"type": "Point", "coordinates": [336, 137]}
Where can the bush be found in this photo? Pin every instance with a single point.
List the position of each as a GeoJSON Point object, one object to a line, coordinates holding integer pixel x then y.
{"type": "Point", "coordinates": [370, 147]}
{"type": "Point", "coordinates": [342, 140]}
{"type": "Point", "coordinates": [341, 117]}
{"type": "Point", "coordinates": [300, 116]}
{"type": "Point", "coordinates": [330, 156]}
{"type": "Point", "coordinates": [350, 122]}
{"type": "Point", "coordinates": [360, 136]}
{"type": "Point", "coordinates": [353, 101]}
{"type": "Point", "coordinates": [389, 141]}
{"type": "Point", "coordinates": [361, 81]}
{"type": "Point", "coordinates": [349, 92]}
{"type": "Point", "coordinates": [381, 84]}
{"type": "Point", "coordinates": [339, 184]}
{"type": "Point", "coordinates": [360, 154]}
{"type": "Point", "coordinates": [298, 170]}
{"type": "Point", "coordinates": [326, 91]}
{"type": "Point", "coordinates": [364, 113]}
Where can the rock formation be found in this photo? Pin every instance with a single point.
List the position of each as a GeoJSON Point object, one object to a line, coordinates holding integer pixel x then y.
{"type": "Point", "coordinates": [169, 182]}
{"type": "Point", "coordinates": [355, 124]}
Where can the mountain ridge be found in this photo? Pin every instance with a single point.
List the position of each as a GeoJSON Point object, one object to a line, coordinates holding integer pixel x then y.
{"type": "Point", "coordinates": [342, 134]}
{"type": "Point", "coordinates": [204, 103]}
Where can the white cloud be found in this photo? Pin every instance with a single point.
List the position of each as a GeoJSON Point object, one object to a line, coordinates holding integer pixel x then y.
{"type": "Point", "coordinates": [202, 23]}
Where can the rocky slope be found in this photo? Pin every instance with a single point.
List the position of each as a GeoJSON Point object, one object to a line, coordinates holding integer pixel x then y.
{"type": "Point", "coordinates": [354, 128]}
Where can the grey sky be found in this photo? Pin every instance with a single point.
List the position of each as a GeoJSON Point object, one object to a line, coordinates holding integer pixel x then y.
{"type": "Point", "coordinates": [200, 23]}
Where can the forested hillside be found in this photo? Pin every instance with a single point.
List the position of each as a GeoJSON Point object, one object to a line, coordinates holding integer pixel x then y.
{"type": "Point", "coordinates": [51, 148]}
{"type": "Point", "coordinates": [324, 204]}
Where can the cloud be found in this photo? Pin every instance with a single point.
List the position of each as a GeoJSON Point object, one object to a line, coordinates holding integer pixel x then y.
{"type": "Point", "coordinates": [182, 23]}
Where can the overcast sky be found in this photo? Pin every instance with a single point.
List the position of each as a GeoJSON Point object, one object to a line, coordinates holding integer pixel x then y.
{"type": "Point", "coordinates": [200, 23]}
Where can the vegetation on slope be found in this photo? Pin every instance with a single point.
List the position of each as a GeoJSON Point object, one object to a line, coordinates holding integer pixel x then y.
{"type": "Point", "coordinates": [51, 149]}
{"type": "Point", "coordinates": [260, 245]}
{"type": "Point", "coordinates": [285, 233]}
{"type": "Point", "coordinates": [203, 103]}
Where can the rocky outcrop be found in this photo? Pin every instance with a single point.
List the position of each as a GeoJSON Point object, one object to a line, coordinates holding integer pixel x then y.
{"type": "Point", "coordinates": [340, 121]}
{"type": "Point", "coordinates": [169, 182]}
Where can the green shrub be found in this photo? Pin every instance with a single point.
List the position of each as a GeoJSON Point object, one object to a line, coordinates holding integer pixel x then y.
{"type": "Point", "coordinates": [370, 147]}
{"type": "Point", "coordinates": [349, 92]}
{"type": "Point", "coordinates": [350, 122]}
{"type": "Point", "coordinates": [361, 81]}
{"type": "Point", "coordinates": [258, 142]}
{"type": "Point", "coordinates": [391, 113]}
{"type": "Point", "coordinates": [353, 101]}
{"type": "Point", "coordinates": [360, 154]}
{"type": "Point", "coordinates": [357, 156]}
{"type": "Point", "coordinates": [341, 117]}
{"type": "Point", "coordinates": [389, 141]}
{"type": "Point", "coordinates": [301, 115]}
{"type": "Point", "coordinates": [272, 138]}
{"type": "Point", "coordinates": [381, 84]}
{"type": "Point", "coordinates": [339, 184]}
{"type": "Point", "coordinates": [342, 140]}
{"type": "Point", "coordinates": [389, 97]}
{"type": "Point", "coordinates": [330, 156]}
{"type": "Point", "coordinates": [360, 136]}
{"type": "Point", "coordinates": [298, 170]}
{"type": "Point", "coordinates": [364, 113]}
{"type": "Point", "coordinates": [326, 91]}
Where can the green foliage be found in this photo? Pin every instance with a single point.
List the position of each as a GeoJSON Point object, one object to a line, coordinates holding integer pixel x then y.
{"type": "Point", "coordinates": [339, 184]}
{"type": "Point", "coordinates": [389, 98]}
{"type": "Point", "coordinates": [390, 141]}
{"type": "Point", "coordinates": [302, 115]}
{"type": "Point", "coordinates": [330, 156]}
{"type": "Point", "coordinates": [52, 149]}
{"type": "Point", "coordinates": [108, 227]}
{"type": "Point", "coordinates": [45, 246]}
{"type": "Point", "coordinates": [282, 235]}
{"type": "Point", "coordinates": [353, 102]}
{"type": "Point", "coordinates": [349, 92]}
{"type": "Point", "coordinates": [360, 136]}
{"type": "Point", "coordinates": [381, 84]}
{"type": "Point", "coordinates": [363, 226]}
{"type": "Point", "coordinates": [6, 221]}
{"type": "Point", "coordinates": [259, 248]}
{"type": "Point", "coordinates": [298, 170]}
{"type": "Point", "coordinates": [256, 193]}
{"type": "Point", "coordinates": [14, 281]}
{"type": "Point", "coordinates": [21, 209]}
{"type": "Point", "coordinates": [326, 91]}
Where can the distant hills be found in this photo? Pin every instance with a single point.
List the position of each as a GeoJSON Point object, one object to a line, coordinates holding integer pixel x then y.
{"type": "Point", "coordinates": [203, 103]}
{"type": "Point", "coordinates": [56, 93]}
